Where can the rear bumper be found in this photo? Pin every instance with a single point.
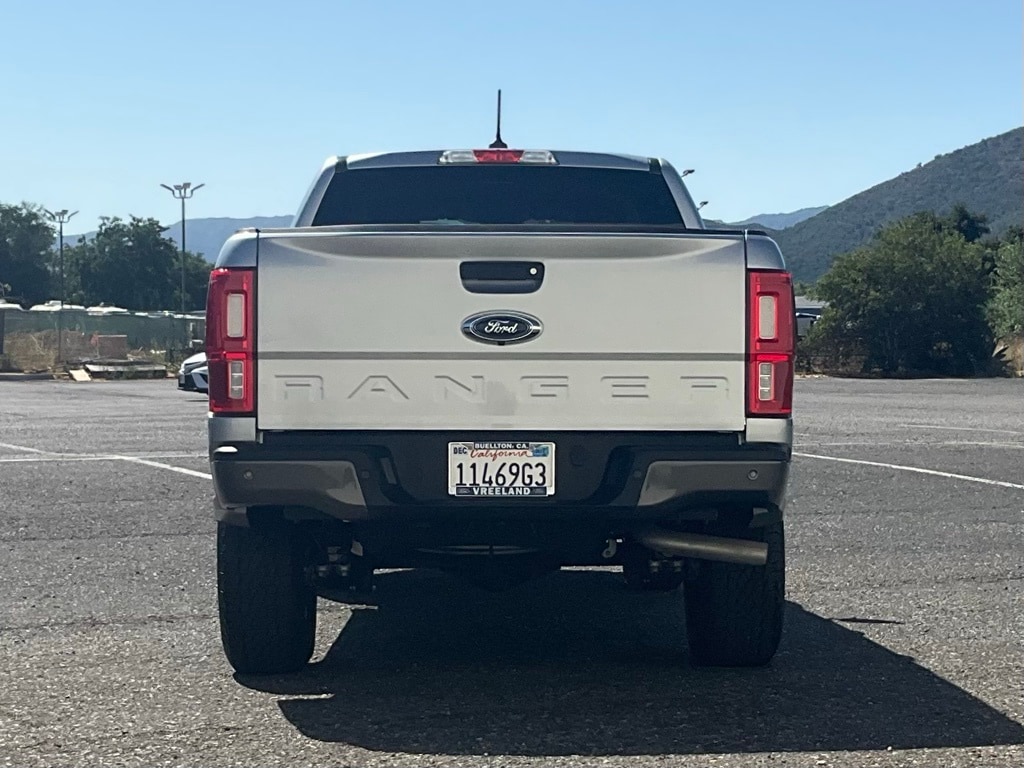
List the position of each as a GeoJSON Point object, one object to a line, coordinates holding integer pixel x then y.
{"type": "Point", "coordinates": [382, 475]}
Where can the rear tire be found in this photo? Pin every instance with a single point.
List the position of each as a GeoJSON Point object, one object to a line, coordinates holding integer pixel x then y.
{"type": "Point", "coordinates": [734, 613]}
{"type": "Point", "coordinates": [267, 607]}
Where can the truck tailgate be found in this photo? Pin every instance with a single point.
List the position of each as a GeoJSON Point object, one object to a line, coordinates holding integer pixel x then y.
{"type": "Point", "coordinates": [364, 331]}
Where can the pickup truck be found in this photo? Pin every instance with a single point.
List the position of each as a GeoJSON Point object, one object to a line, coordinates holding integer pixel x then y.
{"type": "Point", "coordinates": [499, 362]}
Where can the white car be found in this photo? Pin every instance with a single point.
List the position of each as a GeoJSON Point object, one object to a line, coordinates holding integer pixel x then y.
{"type": "Point", "coordinates": [194, 373]}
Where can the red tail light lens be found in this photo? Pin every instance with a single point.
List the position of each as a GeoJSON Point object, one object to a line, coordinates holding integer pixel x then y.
{"type": "Point", "coordinates": [230, 341]}
{"type": "Point", "coordinates": [498, 155]}
{"type": "Point", "coordinates": [771, 343]}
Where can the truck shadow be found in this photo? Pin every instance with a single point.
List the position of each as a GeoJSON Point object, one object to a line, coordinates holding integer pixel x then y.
{"type": "Point", "coordinates": [573, 664]}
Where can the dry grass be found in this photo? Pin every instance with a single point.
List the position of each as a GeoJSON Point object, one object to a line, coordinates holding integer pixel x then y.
{"type": "Point", "coordinates": [1014, 356]}
{"type": "Point", "coordinates": [36, 352]}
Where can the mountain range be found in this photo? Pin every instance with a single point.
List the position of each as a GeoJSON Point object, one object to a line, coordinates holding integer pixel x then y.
{"type": "Point", "coordinates": [987, 177]}
{"type": "Point", "coordinates": [207, 236]}
{"type": "Point", "coordinates": [778, 220]}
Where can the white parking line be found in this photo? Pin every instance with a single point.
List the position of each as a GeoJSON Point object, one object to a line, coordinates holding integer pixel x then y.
{"type": "Point", "coordinates": [919, 470]}
{"type": "Point", "coordinates": [41, 455]}
{"type": "Point", "coordinates": [206, 476]}
{"type": "Point", "coordinates": [26, 449]}
{"type": "Point", "coordinates": [52, 459]}
{"type": "Point", "coordinates": [165, 455]}
{"type": "Point", "coordinates": [963, 429]}
{"type": "Point", "coordinates": [169, 467]}
{"type": "Point", "coordinates": [63, 457]}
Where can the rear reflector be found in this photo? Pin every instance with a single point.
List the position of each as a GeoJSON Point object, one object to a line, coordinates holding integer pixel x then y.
{"type": "Point", "coordinates": [230, 341]}
{"type": "Point", "coordinates": [477, 156]}
{"type": "Point", "coordinates": [771, 343]}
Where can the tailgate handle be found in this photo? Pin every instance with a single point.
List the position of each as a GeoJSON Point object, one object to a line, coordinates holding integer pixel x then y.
{"type": "Point", "coordinates": [501, 276]}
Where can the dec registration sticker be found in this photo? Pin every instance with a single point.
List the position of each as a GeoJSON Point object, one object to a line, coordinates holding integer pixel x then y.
{"type": "Point", "coordinates": [501, 469]}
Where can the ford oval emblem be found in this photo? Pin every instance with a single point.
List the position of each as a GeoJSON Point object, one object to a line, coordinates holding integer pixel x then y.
{"type": "Point", "coordinates": [501, 327]}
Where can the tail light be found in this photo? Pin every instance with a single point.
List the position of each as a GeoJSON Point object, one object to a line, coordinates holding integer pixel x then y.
{"type": "Point", "coordinates": [231, 341]}
{"type": "Point", "coordinates": [771, 344]}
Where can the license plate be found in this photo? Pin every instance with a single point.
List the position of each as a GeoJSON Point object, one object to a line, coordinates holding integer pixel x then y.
{"type": "Point", "coordinates": [501, 469]}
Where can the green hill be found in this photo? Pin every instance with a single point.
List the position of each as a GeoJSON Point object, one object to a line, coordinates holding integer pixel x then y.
{"type": "Point", "coordinates": [987, 177]}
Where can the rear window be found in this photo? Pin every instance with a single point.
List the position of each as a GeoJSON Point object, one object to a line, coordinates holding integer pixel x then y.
{"type": "Point", "coordinates": [497, 194]}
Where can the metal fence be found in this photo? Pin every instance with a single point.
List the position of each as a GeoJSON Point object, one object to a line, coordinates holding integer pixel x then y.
{"type": "Point", "coordinates": [30, 341]}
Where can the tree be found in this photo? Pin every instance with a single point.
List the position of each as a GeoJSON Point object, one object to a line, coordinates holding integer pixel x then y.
{"type": "Point", "coordinates": [801, 288]}
{"type": "Point", "coordinates": [1014, 234]}
{"type": "Point", "coordinates": [914, 301]}
{"type": "Point", "coordinates": [197, 280]}
{"type": "Point", "coordinates": [972, 226]}
{"type": "Point", "coordinates": [1006, 310]}
{"type": "Point", "coordinates": [26, 253]}
{"type": "Point", "coordinates": [133, 265]}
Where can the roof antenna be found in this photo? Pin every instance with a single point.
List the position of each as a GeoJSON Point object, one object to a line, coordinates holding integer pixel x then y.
{"type": "Point", "coordinates": [498, 143]}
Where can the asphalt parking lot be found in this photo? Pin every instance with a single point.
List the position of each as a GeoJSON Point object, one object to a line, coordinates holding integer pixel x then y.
{"type": "Point", "coordinates": [904, 642]}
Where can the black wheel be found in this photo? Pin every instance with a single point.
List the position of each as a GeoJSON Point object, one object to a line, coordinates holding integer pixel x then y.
{"type": "Point", "coordinates": [267, 607]}
{"type": "Point", "coordinates": [734, 612]}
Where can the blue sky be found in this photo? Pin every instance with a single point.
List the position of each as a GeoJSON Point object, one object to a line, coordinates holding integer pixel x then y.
{"type": "Point", "coordinates": [778, 105]}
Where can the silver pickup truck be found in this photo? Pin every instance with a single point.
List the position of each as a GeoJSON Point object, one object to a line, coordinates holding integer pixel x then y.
{"type": "Point", "coordinates": [499, 362]}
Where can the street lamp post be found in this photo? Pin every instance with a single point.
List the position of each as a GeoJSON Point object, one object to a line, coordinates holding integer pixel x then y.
{"type": "Point", "coordinates": [182, 192]}
{"type": "Point", "coordinates": [61, 218]}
